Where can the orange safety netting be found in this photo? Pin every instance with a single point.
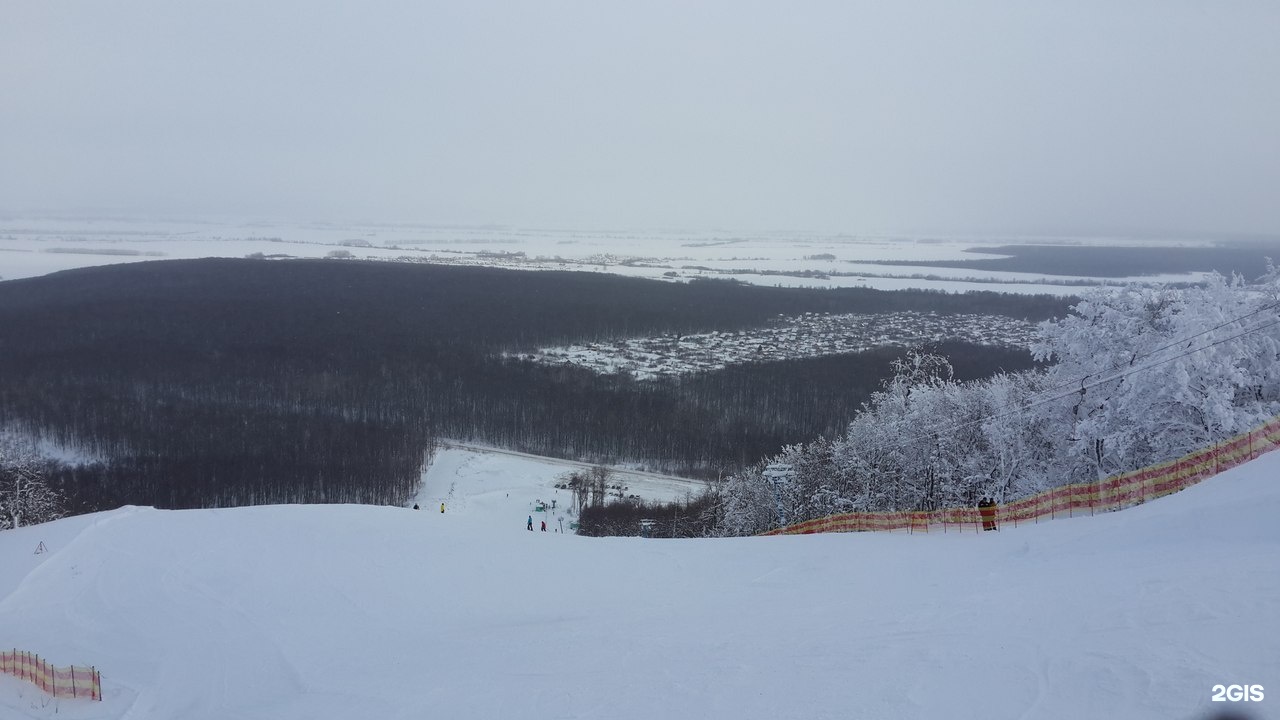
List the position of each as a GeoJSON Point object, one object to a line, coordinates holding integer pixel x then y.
{"type": "Point", "coordinates": [61, 682]}
{"type": "Point", "coordinates": [1113, 493]}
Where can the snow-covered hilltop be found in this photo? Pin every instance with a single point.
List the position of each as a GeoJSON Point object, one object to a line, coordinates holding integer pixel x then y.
{"type": "Point", "coordinates": [318, 612]}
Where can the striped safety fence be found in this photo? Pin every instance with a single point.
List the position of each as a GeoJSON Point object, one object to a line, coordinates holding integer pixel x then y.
{"type": "Point", "coordinates": [61, 682]}
{"type": "Point", "coordinates": [1113, 493]}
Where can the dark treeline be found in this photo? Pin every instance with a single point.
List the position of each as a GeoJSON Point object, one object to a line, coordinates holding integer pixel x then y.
{"type": "Point", "coordinates": [698, 425]}
{"type": "Point", "coordinates": [229, 382]}
{"type": "Point", "coordinates": [689, 518]}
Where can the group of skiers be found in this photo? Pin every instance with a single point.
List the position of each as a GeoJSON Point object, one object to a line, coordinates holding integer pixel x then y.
{"type": "Point", "coordinates": [528, 525]}
{"type": "Point", "coordinates": [540, 506]}
{"type": "Point", "coordinates": [986, 509]}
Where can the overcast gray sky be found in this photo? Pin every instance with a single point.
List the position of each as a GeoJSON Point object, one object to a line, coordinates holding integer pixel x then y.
{"type": "Point", "coordinates": [945, 116]}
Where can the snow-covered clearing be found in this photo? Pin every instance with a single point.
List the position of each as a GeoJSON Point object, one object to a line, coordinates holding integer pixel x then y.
{"type": "Point", "coordinates": [491, 485]}
{"type": "Point", "coordinates": [313, 612]}
{"type": "Point", "coordinates": [32, 247]}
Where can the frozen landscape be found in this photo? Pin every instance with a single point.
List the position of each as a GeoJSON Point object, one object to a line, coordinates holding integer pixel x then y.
{"type": "Point", "coordinates": [313, 612]}
{"type": "Point", "coordinates": [289, 291]}
{"type": "Point", "coordinates": [30, 248]}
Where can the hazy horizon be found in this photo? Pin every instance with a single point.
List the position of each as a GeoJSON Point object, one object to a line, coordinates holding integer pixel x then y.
{"type": "Point", "coordinates": [995, 117]}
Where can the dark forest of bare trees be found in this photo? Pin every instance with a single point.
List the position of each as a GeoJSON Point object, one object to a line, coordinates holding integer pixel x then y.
{"type": "Point", "coordinates": [233, 382]}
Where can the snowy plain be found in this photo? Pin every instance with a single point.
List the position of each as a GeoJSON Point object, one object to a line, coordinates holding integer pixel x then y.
{"type": "Point", "coordinates": [315, 612]}
{"type": "Point", "coordinates": [34, 247]}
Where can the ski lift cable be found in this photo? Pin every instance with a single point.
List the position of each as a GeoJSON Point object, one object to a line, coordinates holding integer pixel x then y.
{"type": "Point", "coordinates": [1168, 345]}
{"type": "Point", "coordinates": [1081, 384]}
{"type": "Point", "coordinates": [1083, 381]}
{"type": "Point", "coordinates": [1189, 338]}
{"type": "Point", "coordinates": [1024, 406]}
{"type": "Point", "coordinates": [1073, 382]}
{"type": "Point", "coordinates": [1157, 363]}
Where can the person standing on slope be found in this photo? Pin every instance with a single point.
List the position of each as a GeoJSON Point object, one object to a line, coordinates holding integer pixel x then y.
{"type": "Point", "coordinates": [530, 526]}
{"type": "Point", "coordinates": [544, 526]}
{"type": "Point", "coordinates": [987, 509]}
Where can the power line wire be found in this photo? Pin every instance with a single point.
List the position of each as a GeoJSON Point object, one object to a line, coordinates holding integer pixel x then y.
{"type": "Point", "coordinates": [1027, 405]}
{"type": "Point", "coordinates": [1171, 344]}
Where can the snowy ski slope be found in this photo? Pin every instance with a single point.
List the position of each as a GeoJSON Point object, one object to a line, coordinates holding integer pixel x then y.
{"type": "Point", "coordinates": [314, 612]}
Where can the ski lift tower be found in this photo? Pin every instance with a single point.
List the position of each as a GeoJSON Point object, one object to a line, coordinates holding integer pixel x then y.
{"type": "Point", "coordinates": [778, 475]}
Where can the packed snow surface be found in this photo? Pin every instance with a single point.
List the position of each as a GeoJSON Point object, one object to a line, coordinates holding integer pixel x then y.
{"type": "Point", "coordinates": [306, 612]}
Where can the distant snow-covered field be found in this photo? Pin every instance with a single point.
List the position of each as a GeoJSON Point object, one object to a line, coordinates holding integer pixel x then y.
{"type": "Point", "coordinates": [33, 247]}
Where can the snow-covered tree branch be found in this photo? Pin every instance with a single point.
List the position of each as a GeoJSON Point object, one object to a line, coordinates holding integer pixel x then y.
{"type": "Point", "coordinates": [25, 496]}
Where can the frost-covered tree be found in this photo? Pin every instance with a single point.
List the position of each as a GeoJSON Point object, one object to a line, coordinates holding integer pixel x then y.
{"type": "Point", "coordinates": [750, 503]}
{"type": "Point", "coordinates": [1139, 375]}
{"type": "Point", "coordinates": [25, 496]}
{"type": "Point", "coordinates": [894, 454]}
{"type": "Point", "coordinates": [1160, 371]}
{"type": "Point", "coordinates": [1019, 446]}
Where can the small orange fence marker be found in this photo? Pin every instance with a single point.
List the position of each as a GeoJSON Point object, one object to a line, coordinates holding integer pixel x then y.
{"type": "Point", "coordinates": [60, 682]}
